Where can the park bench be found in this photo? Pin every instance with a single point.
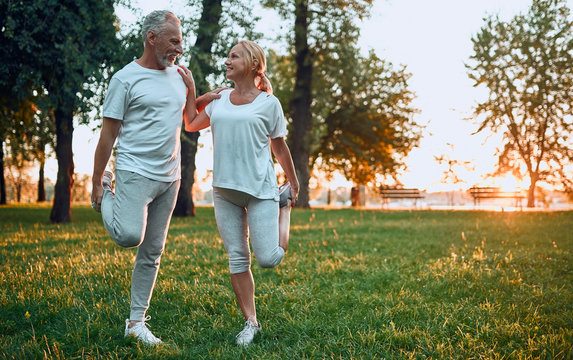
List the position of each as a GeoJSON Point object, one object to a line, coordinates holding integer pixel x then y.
{"type": "Point", "coordinates": [388, 193]}
{"type": "Point", "coordinates": [488, 192]}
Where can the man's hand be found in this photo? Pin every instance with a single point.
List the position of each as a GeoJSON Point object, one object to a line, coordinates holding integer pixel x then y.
{"type": "Point", "coordinates": [97, 194]}
{"type": "Point", "coordinates": [109, 132]}
{"type": "Point", "coordinates": [294, 190]}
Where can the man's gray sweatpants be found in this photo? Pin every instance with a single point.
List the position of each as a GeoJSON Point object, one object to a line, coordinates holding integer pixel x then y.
{"type": "Point", "coordinates": [241, 216]}
{"type": "Point", "coordinates": [138, 214]}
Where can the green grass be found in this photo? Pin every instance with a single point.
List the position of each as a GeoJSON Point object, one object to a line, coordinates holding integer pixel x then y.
{"type": "Point", "coordinates": [355, 284]}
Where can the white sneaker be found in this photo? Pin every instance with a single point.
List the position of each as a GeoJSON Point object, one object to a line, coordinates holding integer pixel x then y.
{"type": "Point", "coordinates": [140, 332]}
{"type": "Point", "coordinates": [107, 180]}
{"type": "Point", "coordinates": [245, 337]}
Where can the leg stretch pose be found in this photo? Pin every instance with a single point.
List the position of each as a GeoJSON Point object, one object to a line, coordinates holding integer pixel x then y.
{"type": "Point", "coordinates": [240, 216]}
{"type": "Point", "coordinates": [143, 110]}
{"type": "Point", "coordinates": [247, 122]}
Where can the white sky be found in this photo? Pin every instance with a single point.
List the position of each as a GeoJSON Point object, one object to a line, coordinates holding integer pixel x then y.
{"type": "Point", "coordinates": [433, 38]}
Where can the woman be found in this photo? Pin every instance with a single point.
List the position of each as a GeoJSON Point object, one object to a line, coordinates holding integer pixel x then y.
{"type": "Point", "coordinates": [246, 121]}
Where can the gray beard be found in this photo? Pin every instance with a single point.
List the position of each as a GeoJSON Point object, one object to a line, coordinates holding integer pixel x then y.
{"type": "Point", "coordinates": [163, 60]}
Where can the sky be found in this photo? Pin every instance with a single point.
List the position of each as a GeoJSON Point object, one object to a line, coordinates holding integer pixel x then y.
{"type": "Point", "coordinates": [433, 39]}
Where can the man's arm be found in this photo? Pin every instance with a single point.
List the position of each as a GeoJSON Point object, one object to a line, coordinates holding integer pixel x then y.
{"type": "Point", "coordinates": [109, 132]}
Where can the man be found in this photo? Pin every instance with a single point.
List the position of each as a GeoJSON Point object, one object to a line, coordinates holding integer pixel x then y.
{"type": "Point", "coordinates": [143, 110]}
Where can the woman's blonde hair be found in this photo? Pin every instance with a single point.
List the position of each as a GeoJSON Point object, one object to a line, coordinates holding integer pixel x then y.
{"type": "Point", "coordinates": [255, 57]}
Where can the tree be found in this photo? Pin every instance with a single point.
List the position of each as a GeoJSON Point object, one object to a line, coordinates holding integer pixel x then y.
{"type": "Point", "coordinates": [39, 134]}
{"type": "Point", "coordinates": [350, 112]}
{"type": "Point", "coordinates": [18, 166]}
{"type": "Point", "coordinates": [65, 46]}
{"type": "Point", "coordinates": [312, 24]}
{"type": "Point", "coordinates": [207, 31]}
{"type": "Point", "coordinates": [2, 175]}
{"type": "Point", "coordinates": [18, 144]}
{"type": "Point", "coordinates": [16, 91]}
{"type": "Point", "coordinates": [526, 66]}
{"type": "Point", "coordinates": [16, 117]}
{"type": "Point", "coordinates": [451, 174]}
{"type": "Point", "coordinates": [368, 121]}
{"type": "Point", "coordinates": [27, 133]}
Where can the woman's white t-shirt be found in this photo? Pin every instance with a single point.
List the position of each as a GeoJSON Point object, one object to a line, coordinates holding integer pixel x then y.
{"type": "Point", "coordinates": [150, 105]}
{"type": "Point", "coordinates": [241, 143]}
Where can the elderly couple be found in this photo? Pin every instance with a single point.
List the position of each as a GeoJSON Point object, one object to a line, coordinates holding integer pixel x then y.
{"type": "Point", "coordinates": [145, 106]}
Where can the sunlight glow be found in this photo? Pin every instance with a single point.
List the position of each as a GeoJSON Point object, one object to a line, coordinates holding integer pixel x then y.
{"type": "Point", "coordinates": [510, 183]}
{"type": "Point", "coordinates": [433, 50]}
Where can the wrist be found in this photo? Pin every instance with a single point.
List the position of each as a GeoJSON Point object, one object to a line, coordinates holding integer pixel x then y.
{"type": "Point", "coordinates": [96, 180]}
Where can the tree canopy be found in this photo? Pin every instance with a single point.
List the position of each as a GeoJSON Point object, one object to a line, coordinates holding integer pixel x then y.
{"type": "Point", "coordinates": [526, 66]}
{"type": "Point", "coordinates": [368, 119]}
{"type": "Point", "coordinates": [58, 52]}
{"type": "Point", "coordinates": [359, 119]}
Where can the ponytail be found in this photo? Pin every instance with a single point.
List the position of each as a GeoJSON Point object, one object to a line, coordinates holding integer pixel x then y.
{"type": "Point", "coordinates": [256, 64]}
{"type": "Point", "coordinates": [263, 83]}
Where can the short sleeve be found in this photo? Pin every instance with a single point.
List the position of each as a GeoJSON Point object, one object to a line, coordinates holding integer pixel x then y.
{"type": "Point", "coordinates": [279, 129]}
{"type": "Point", "coordinates": [211, 106]}
{"type": "Point", "coordinates": [115, 103]}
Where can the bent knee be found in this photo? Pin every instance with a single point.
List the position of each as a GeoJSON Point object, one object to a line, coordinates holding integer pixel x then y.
{"type": "Point", "coordinates": [128, 240]}
{"type": "Point", "coordinates": [272, 260]}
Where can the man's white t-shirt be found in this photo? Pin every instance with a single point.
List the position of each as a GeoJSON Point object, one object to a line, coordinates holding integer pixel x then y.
{"type": "Point", "coordinates": [241, 143]}
{"type": "Point", "coordinates": [150, 104]}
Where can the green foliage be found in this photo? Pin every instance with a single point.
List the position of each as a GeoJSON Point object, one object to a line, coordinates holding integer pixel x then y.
{"type": "Point", "coordinates": [361, 107]}
{"type": "Point", "coordinates": [355, 284]}
{"type": "Point", "coordinates": [58, 54]}
{"type": "Point", "coordinates": [63, 50]}
{"type": "Point", "coordinates": [60, 46]}
{"type": "Point", "coordinates": [368, 118]}
{"type": "Point", "coordinates": [236, 22]}
{"type": "Point", "coordinates": [526, 66]}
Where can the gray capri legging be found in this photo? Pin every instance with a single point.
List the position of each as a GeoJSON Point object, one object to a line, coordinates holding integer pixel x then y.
{"type": "Point", "coordinates": [138, 215]}
{"type": "Point", "coordinates": [240, 216]}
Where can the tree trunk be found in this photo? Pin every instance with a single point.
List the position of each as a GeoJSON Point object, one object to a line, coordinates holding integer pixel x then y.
{"type": "Point", "coordinates": [185, 205]}
{"type": "Point", "coordinates": [207, 31]}
{"type": "Point", "coordinates": [300, 105]}
{"type": "Point", "coordinates": [2, 177]}
{"type": "Point", "coordinates": [41, 187]}
{"type": "Point", "coordinates": [61, 209]}
{"type": "Point", "coordinates": [531, 194]}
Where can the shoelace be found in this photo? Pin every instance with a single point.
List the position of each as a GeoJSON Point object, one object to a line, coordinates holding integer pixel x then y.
{"type": "Point", "coordinates": [247, 330]}
{"type": "Point", "coordinates": [146, 332]}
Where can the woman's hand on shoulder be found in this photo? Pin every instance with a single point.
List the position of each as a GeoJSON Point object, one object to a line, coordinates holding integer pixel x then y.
{"type": "Point", "coordinates": [187, 76]}
{"type": "Point", "coordinates": [206, 98]}
{"type": "Point", "coordinates": [213, 95]}
{"type": "Point", "coordinates": [218, 90]}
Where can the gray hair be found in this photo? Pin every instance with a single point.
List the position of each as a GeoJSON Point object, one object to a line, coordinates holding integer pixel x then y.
{"type": "Point", "coordinates": [155, 22]}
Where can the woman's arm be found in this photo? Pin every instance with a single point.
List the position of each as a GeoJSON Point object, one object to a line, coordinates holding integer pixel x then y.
{"type": "Point", "coordinates": [193, 121]}
{"type": "Point", "coordinates": [282, 153]}
{"type": "Point", "coordinates": [204, 100]}
{"type": "Point", "coordinates": [200, 122]}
